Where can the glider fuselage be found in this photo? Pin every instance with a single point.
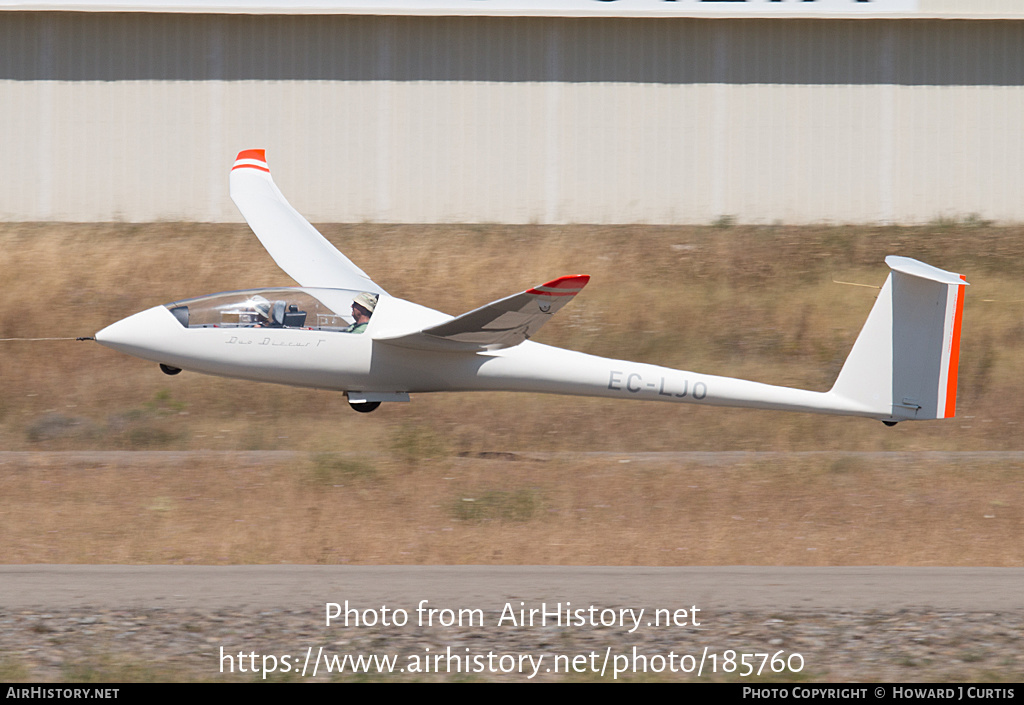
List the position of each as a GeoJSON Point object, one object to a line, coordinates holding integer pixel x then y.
{"type": "Point", "coordinates": [327, 358]}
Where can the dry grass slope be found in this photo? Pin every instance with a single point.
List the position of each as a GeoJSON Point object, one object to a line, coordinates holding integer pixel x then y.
{"type": "Point", "coordinates": [533, 509]}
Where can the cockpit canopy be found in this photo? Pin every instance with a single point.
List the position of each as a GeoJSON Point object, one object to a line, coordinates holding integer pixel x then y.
{"type": "Point", "coordinates": [265, 308]}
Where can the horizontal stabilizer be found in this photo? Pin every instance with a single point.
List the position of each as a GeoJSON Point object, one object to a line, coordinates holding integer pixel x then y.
{"type": "Point", "coordinates": [298, 248]}
{"type": "Point", "coordinates": [500, 324]}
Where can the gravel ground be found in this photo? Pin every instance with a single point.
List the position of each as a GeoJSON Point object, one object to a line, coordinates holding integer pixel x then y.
{"type": "Point", "coordinates": [194, 645]}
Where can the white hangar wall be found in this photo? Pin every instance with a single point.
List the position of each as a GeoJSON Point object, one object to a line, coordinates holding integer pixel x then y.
{"type": "Point", "coordinates": [135, 116]}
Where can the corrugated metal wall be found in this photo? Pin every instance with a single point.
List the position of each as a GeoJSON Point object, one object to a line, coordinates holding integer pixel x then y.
{"type": "Point", "coordinates": [444, 119]}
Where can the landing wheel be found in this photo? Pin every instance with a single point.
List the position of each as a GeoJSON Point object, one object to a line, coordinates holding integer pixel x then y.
{"type": "Point", "coordinates": [890, 424]}
{"type": "Point", "coordinates": [168, 370]}
{"type": "Point", "coordinates": [365, 407]}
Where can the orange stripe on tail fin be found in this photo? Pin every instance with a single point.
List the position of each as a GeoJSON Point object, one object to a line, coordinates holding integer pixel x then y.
{"type": "Point", "coordinates": [954, 353]}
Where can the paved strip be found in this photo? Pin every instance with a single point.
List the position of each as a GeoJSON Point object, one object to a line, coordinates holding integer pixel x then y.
{"type": "Point", "coordinates": [490, 587]}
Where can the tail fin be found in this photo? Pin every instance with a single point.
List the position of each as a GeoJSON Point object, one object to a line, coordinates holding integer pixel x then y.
{"type": "Point", "coordinates": [904, 363]}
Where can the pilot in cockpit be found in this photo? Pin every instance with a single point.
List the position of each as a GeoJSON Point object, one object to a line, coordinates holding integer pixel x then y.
{"type": "Point", "coordinates": [261, 307]}
{"type": "Point", "coordinates": [362, 309]}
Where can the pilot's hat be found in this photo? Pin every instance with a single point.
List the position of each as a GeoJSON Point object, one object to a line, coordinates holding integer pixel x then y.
{"type": "Point", "coordinates": [367, 301]}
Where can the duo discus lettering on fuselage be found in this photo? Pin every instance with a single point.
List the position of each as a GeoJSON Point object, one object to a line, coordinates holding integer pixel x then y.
{"type": "Point", "coordinates": [242, 340]}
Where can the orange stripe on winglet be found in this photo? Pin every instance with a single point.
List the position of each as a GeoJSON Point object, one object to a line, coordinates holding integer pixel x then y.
{"type": "Point", "coordinates": [954, 353]}
{"type": "Point", "coordinates": [257, 167]}
{"type": "Point", "coordinates": [563, 286]}
{"type": "Point", "coordinates": [257, 154]}
{"type": "Point", "coordinates": [249, 156]}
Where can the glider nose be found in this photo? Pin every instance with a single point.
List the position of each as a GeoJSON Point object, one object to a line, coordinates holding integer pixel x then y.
{"type": "Point", "coordinates": [142, 334]}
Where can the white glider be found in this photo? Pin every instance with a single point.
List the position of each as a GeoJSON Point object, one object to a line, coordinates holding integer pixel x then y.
{"type": "Point", "coordinates": [903, 365]}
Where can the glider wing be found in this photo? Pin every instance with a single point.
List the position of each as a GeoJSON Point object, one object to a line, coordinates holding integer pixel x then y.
{"type": "Point", "coordinates": [500, 324]}
{"type": "Point", "coordinates": [298, 248]}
